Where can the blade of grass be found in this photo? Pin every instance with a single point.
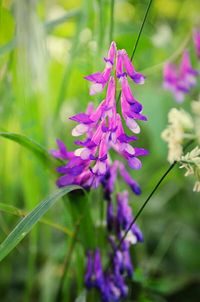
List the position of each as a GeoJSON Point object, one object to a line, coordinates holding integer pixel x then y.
{"type": "Point", "coordinates": [21, 213]}
{"type": "Point", "coordinates": [38, 150]}
{"type": "Point", "coordinates": [27, 223]}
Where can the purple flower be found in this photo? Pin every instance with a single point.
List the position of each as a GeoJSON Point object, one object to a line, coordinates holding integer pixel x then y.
{"type": "Point", "coordinates": [115, 288]}
{"type": "Point", "coordinates": [124, 66]}
{"type": "Point", "coordinates": [180, 81]}
{"type": "Point", "coordinates": [94, 274]}
{"type": "Point", "coordinates": [129, 180]}
{"type": "Point", "coordinates": [98, 271]}
{"type": "Point", "coordinates": [101, 128]}
{"type": "Point", "coordinates": [125, 217]}
{"type": "Point", "coordinates": [123, 261]}
{"type": "Point", "coordinates": [100, 79]}
{"type": "Point", "coordinates": [196, 38]}
{"type": "Point", "coordinates": [171, 82]}
{"type": "Point", "coordinates": [108, 180]}
{"type": "Point", "coordinates": [111, 283]}
{"type": "Point", "coordinates": [106, 131]}
{"type": "Point", "coordinates": [62, 152]}
{"type": "Point", "coordinates": [187, 73]}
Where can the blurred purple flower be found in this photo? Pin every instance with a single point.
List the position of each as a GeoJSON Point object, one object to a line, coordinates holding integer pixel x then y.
{"type": "Point", "coordinates": [196, 38]}
{"type": "Point", "coordinates": [180, 81]}
{"type": "Point", "coordinates": [125, 217]}
{"type": "Point", "coordinates": [111, 283]}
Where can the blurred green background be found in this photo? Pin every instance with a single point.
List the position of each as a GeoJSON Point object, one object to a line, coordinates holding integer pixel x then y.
{"type": "Point", "coordinates": [46, 47]}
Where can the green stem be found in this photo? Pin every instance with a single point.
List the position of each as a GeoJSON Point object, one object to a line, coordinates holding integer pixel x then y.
{"type": "Point", "coordinates": [145, 203]}
{"type": "Point", "coordinates": [141, 29]}
{"type": "Point", "coordinates": [138, 38]}
{"type": "Point", "coordinates": [150, 195]}
{"type": "Point", "coordinates": [67, 264]}
{"type": "Point", "coordinates": [112, 5]}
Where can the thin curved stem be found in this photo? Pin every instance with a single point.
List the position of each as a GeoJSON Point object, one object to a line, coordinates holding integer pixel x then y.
{"type": "Point", "coordinates": [150, 195]}
{"type": "Point", "coordinates": [145, 203]}
{"type": "Point", "coordinates": [141, 29]}
{"type": "Point", "coordinates": [138, 38]}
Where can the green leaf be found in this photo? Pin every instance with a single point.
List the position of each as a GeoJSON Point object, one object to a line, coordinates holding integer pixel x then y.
{"type": "Point", "coordinates": [38, 150]}
{"type": "Point", "coordinates": [27, 223]}
{"type": "Point", "coordinates": [10, 209]}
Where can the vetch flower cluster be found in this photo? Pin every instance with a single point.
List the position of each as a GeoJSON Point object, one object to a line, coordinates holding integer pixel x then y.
{"type": "Point", "coordinates": [102, 127]}
{"type": "Point", "coordinates": [180, 80]}
{"type": "Point", "coordinates": [191, 162]}
{"type": "Point", "coordinates": [90, 165]}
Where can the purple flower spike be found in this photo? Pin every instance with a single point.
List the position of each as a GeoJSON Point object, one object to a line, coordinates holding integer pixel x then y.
{"type": "Point", "coordinates": [196, 38]}
{"type": "Point", "coordinates": [102, 129]}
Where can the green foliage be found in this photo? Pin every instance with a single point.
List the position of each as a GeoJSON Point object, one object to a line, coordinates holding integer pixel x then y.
{"type": "Point", "coordinates": [46, 47]}
{"type": "Point", "coordinates": [40, 152]}
{"type": "Point", "coordinates": [28, 222]}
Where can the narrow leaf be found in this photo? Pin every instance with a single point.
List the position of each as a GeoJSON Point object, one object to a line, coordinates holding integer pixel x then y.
{"type": "Point", "coordinates": [10, 209]}
{"type": "Point", "coordinates": [38, 150]}
{"type": "Point", "coordinates": [27, 223]}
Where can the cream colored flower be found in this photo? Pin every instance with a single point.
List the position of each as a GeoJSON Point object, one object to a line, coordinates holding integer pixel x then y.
{"type": "Point", "coordinates": [180, 125]}
{"type": "Point", "coordinates": [196, 110]}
